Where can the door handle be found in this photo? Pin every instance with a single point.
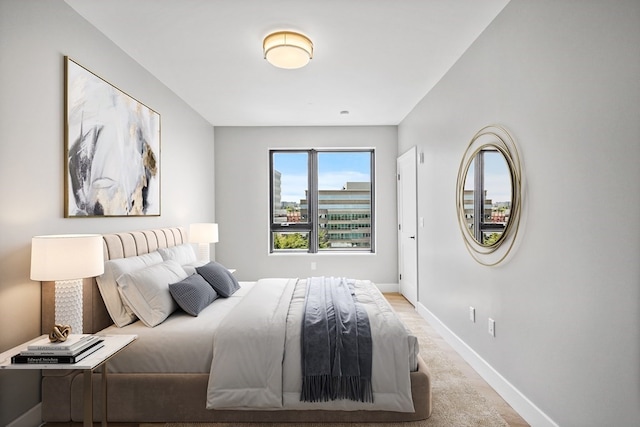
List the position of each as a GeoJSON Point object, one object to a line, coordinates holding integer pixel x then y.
{"type": "Point", "coordinates": [412, 237]}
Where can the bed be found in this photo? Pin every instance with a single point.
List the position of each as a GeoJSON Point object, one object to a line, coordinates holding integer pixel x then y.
{"type": "Point", "coordinates": [166, 375]}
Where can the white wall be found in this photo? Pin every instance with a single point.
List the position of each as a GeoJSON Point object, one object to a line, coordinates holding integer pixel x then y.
{"type": "Point", "coordinates": [35, 35]}
{"type": "Point", "coordinates": [563, 76]}
{"type": "Point", "coordinates": [242, 202]}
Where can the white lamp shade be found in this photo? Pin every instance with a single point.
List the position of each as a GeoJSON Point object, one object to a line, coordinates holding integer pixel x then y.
{"type": "Point", "coordinates": [66, 257]}
{"type": "Point", "coordinates": [286, 49]}
{"type": "Point", "coordinates": [203, 233]}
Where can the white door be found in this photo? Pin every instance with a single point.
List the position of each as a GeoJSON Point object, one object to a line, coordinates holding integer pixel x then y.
{"type": "Point", "coordinates": [407, 225]}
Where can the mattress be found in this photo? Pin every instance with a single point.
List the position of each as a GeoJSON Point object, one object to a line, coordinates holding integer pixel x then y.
{"type": "Point", "coordinates": [183, 343]}
{"type": "Point", "coordinates": [180, 344]}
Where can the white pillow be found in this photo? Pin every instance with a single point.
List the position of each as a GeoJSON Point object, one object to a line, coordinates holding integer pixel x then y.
{"type": "Point", "coordinates": [121, 314]}
{"type": "Point", "coordinates": [147, 291]}
{"type": "Point", "coordinates": [182, 254]}
{"type": "Point", "coordinates": [191, 267]}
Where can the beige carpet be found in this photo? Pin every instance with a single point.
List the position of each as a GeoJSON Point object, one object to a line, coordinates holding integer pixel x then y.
{"type": "Point", "coordinates": [456, 403]}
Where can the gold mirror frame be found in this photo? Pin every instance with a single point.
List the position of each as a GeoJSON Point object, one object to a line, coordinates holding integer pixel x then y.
{"type": "Point", "coordinates": [498, 138]}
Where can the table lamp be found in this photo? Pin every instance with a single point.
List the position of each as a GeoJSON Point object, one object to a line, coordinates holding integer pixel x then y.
{"type": "Point", "coordinates": [203, 234]}
{"type": "Point", "coordinates": [67, 259]}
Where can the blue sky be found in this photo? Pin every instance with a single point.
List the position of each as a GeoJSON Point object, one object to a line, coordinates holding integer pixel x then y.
{"type": "Point", "coordinates": [334, 170]}
{"type": "Point", "coordinates": [497, 179]}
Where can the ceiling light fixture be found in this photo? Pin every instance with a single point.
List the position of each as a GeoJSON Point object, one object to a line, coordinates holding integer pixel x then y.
{"type": "Point", "coordinates": [287, 49]}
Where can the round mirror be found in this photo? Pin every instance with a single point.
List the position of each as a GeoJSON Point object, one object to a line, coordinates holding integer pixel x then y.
{"type": "Point", "coordinates": [488, 194]}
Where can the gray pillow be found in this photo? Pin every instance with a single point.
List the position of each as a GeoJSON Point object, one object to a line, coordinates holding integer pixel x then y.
{"type": "Point", "coordinates": [193, 294]}
{"type": "Point", "coordinates": [221, 279]}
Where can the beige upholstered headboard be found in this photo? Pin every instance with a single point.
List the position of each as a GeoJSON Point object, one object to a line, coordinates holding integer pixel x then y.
{"type": "Point", "coordinates": [118, 245]}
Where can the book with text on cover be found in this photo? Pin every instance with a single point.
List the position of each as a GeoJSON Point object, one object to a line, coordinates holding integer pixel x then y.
{"type": "Point", "coordinates": [72, 346]}
{"type": "Point", "coordinates": [56, 359]}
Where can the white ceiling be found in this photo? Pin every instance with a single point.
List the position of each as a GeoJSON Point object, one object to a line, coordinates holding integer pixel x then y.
{"type": "Point", "coordinates": [374, 58]}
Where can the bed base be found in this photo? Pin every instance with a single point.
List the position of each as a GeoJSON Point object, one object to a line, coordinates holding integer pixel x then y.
{"type": "Point", "coordinates": [181, 398]}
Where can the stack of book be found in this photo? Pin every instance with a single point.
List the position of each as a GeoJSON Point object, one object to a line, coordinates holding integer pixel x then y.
{"type": "Point", "coordinates": [74, 349]}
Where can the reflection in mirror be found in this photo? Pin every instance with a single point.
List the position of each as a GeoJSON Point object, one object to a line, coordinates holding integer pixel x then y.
{"type": "Point", "coordinates": [487, 195]}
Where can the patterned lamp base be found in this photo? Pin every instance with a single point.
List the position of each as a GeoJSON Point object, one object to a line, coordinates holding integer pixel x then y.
{"type": "Point", "coordinates": [68, 300]}
{"type": "Point", "coordinates": [203, 252]}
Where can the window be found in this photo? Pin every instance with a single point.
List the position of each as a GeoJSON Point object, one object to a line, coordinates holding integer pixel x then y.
{"type": "Point", "coordinates": [321, 200]}
{"type": "Point", "coordinates": [487, 196]}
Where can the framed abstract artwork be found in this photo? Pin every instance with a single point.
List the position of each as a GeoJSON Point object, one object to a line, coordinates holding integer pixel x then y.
{"type": "Point", "coordinates": [112, 149]}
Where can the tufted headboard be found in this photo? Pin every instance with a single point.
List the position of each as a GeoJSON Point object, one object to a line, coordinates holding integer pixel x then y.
{"type": "Point", "coordinates": [117, 245]}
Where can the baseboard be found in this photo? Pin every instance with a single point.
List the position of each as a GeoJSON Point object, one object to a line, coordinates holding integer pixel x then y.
{"type": "Point", "coordinates": [518, 401]}
{"type": "Point", "coordinates": [388, 287]}
{"type": "Point", "coordinates": [31, 418]}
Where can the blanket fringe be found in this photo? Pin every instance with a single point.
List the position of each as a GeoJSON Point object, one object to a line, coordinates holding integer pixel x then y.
{"type": "Point", "coordinates": [316, 388]}
{"type": "Point", "coordinates": [322, 388]}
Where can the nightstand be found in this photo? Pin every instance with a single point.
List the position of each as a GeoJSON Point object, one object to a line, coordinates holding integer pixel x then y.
{"type": "Point", "coordinates": [113, 344]}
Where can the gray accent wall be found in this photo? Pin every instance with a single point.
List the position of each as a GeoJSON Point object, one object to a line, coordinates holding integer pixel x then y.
{"type": "Point", "coordinates": [242, 202]}
{"type": "Point", "coordinates": [564, 78]}
{"type": "Point", "coordinates": [35, 35]}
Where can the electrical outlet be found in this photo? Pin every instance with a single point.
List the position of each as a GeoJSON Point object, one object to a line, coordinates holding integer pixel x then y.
{"type": "Point", "coordinates": [313, 265]}
{"type": "Point", "coordinates": [492, 327]}
{"type": "Point", "coordinates": [472, 314]}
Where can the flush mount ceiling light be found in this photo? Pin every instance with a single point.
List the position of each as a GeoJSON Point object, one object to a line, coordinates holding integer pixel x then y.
{"type": "Point", "coordinates": [287, 49]}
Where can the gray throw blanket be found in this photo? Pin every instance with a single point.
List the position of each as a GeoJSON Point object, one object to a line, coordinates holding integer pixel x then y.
{"type": "Point", "coordinates": [336, 343]}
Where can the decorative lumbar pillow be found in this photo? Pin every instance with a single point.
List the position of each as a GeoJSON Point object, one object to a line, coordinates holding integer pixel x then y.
{"type": "Point", "coordinates": [193, 294]}
{"type": "Point", "coordinates": [121, 314]}
{"type": "Point", "coordinates": [147, 291]}
{"type": "Point", "coordinates": [219, 278]}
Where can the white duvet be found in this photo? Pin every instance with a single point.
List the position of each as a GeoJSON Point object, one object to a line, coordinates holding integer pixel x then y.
{"type": "Point", "coordinates": [256, 352]}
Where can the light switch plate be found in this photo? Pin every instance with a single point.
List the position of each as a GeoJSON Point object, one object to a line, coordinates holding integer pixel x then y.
{"type": "Point", "coordinates": [492, 327]}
